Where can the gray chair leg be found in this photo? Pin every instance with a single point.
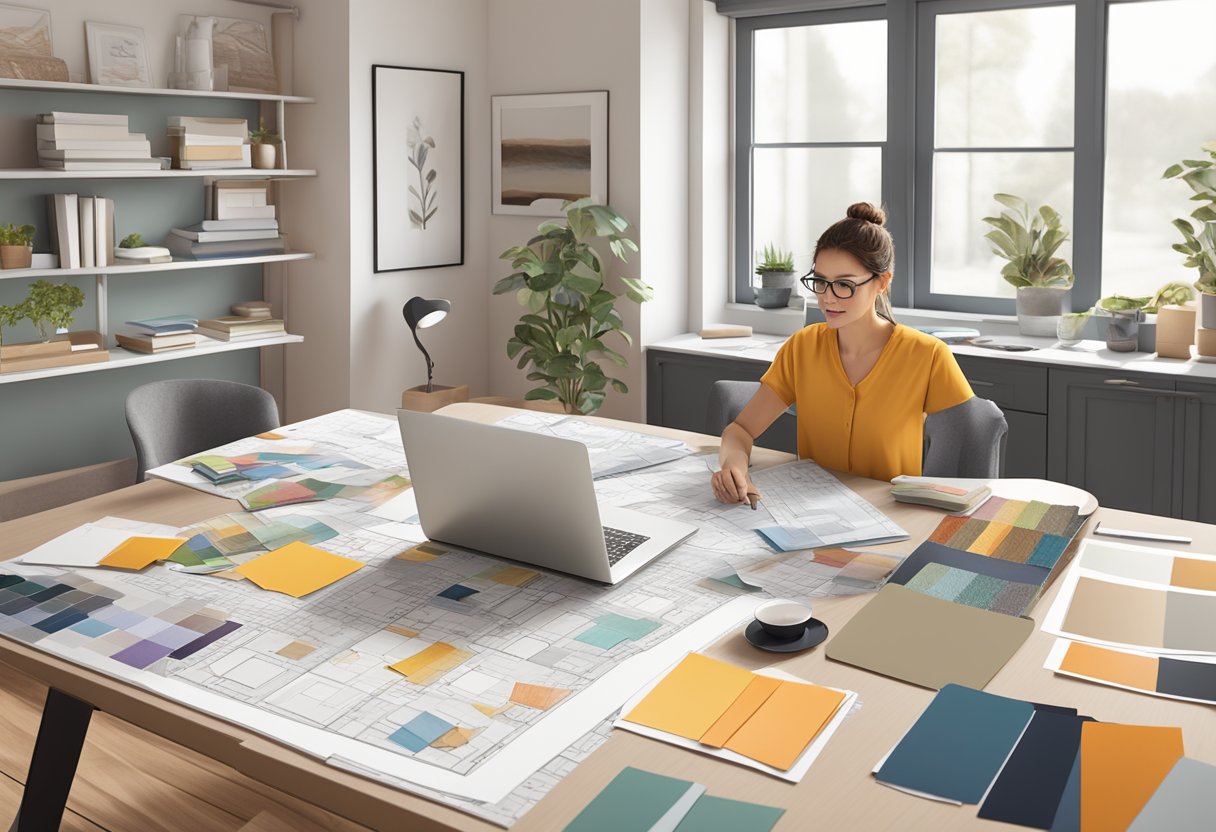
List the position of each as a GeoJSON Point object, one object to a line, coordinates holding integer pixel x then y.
{"type": "Point", "coordinates": [65, 722]}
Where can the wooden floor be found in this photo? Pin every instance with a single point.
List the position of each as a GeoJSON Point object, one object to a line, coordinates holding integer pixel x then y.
{"type": "Point", "coordinates": [130, 780]}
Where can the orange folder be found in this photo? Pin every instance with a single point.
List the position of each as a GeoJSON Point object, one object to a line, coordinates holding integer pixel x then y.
{"type": "Point", "coordinates": [1121, 767]}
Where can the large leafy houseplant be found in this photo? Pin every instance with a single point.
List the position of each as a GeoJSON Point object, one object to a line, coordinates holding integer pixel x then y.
{"type": "Point", "coordinates": [559, 277]}
{"type": "Point", "coordinates": [1200, 246]}
{"type": "Point", "coordinates": [49, 306]}
{"type": "Point", "coordinates": [1029, 242]}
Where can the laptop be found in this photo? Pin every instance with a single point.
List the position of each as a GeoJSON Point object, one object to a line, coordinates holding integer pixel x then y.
{"type": "Point", "coordinates": [527, 497]}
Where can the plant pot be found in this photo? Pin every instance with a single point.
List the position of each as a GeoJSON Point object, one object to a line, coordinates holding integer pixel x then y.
{"type": "Point", "coordinates": [1040, 308]}
{"type": "Point", "coordinates": [263, 156]}
{"type": "Point", "coordinates": [1207, 310]}
{"type": "Point", "coordinates": [776, 280]}
{"type": "Point", "coordinates": [1071, 328]}
{"type": "Point", "coordinates": [16, 257]}
{"type": "Point", "coordinates": [1123, 330]}
{"type": "Point", "coordinates": [773, 297]}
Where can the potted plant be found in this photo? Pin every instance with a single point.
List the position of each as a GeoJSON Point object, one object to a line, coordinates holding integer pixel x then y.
{"type": "Point", "coordinates": [16, 246]}
{"type": "Point", "coordinates": [9, 316]}
{"type": "Point", "coordinates": [49, 306]}
{"type": "Point", "coordinates": [263, 150]}
{"type": "Point", "coordinates": [1029, 242]}
{"type": "Point", "coordinates": [1200, 246]}
{"type": "Point", "coordinates": [559, 277]}
{"type": "Point", "coordinates": [1173, 293]}
{"type": "Point", "coordinates": [1126, 314]}
{"type": "Point", "coordinates": [776, 270]}
{"type": "Point", "coordinates": [1071, 326]}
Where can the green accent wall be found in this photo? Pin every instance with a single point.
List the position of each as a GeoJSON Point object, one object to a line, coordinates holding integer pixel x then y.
{"type": "Point", "coordinates": [68, 421]}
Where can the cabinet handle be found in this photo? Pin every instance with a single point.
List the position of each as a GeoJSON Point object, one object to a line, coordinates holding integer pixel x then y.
{"type": "Point", "coordinates": [1126, 382]}
{"type": "Point", "coordinates": [1156, 391]}
{"type": "Point", "coordinates": [977, 383]}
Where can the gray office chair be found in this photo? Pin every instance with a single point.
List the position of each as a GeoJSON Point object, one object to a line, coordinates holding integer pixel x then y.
{"type": "Point", "coordinates": [966, 440]}
{"type": "Point", "coordinates": [172, 419]}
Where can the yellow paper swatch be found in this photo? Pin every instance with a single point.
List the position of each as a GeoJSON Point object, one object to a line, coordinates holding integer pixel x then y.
{"type": "Point", "coordinates": [781, 729]}
{"type": "Point", "coordinates": [138, 552]}
{"type": "Point", "coordinates": [297, 569]}
{"type": "Point", "coordinates": [426, 666]}
{"type": "Point", "coordinates": [755, 695]}
{"type": "Point", "coordinates": [692, 697]}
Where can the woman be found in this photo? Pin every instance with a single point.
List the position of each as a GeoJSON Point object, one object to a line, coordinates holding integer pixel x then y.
{"type": "Point", "coordinates": [862, 382]}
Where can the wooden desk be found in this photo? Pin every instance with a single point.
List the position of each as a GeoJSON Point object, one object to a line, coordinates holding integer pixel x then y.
{"type": "Point", "coordinates": [838, 793]}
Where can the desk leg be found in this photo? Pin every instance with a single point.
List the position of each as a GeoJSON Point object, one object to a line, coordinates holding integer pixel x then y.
{"type": "Point", "coordinates": [65, 721]}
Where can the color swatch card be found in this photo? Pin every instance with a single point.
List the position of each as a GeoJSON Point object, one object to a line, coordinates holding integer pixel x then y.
{"type": "Point", "coordinates": [774, 722]}
{"type": "Point", "coordinates": [1144, 564]}
{"type": "Point", "coordinates": [1121, 767]}
{"type": "Point", "coordinates": [1185, 800]}
{"type": "Point", "coordinates": [928, 641]}
{"type": "Point", "coordinates": [83, 546]}
{"type": "Point", "coordinates": [1015, 530]}
{"type": "Point", "coordinates": [959, 744]}
{"type": "Point", "coordinates": [1192, 678]}
{"type": "Point", "coordinates": [298, 569]}
{"type": "Point", "coordinates": [936, 553]}
{"type": "Point", "coordinates": [638, 801]}
{"type": "Point", "coordinates": [1031, 784]}
{"type": "Point", "coordinates": [1091, 606]}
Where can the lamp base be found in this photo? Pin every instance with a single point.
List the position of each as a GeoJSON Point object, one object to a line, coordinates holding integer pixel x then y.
{"type": "Point", "coordinates": [416, 398]}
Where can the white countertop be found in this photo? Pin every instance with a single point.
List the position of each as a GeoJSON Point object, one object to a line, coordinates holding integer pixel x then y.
{"type": "Point", "coordinates": [762, 347]}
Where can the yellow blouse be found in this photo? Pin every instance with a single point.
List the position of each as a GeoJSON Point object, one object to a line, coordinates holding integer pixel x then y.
{"type": "Point", "coordinates": [876, 428]}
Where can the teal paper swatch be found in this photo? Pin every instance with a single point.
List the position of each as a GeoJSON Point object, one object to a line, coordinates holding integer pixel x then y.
{"type": "Point", "coordinates": [717, 814]}
{"type": "Point", "coordinates": [635, 801]}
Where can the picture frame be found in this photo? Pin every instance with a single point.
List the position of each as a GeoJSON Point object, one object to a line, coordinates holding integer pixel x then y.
{"type": "Point", "coordinates": [417, 168]}
{"type": "Point", "coordinates": [548, 148]}
{"type": "Point", "coordinates": [118, 55]}
{"type": "Point", "coordinates": [243, 46]}
{"type": "Point", "coordinates": [26, 50]}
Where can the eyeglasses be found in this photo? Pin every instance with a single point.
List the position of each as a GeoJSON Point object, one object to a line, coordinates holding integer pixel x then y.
{"type": "Point", "coordinates": [842, 289]}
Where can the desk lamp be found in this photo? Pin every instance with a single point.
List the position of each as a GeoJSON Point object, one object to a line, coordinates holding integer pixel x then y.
{"type": "Point", "coordinates": [420, 313]}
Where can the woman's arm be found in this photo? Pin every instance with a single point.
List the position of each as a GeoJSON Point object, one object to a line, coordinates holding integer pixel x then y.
{"type": "Point", "coordinates": [730, 483]}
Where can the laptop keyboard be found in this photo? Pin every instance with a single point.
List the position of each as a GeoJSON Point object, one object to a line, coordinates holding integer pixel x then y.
{"type": "Point", "coordinates": [621, 543]}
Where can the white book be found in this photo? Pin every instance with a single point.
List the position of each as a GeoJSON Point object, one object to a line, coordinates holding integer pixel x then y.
{"type": "Point", "coordinates": [101, 164]}
{"type": "Point", "coordinates": [240, 197]}
{"type": "Point", "coordinates": [270, 224]}
{"type": "Point", "coordinates": [103, 234]}
{"type": "Point", "coordinates": [82, 118]}
{"type": "Point", "coordinates": [142, 154]}
{"type": "Point", "coordinates": [203, 236]}
{"type": "Point", "coordinates": [92, 132]}
{"type": "Point", "coordinates": [220, 164]}
{"type": "Point", "coordinates": [88, 227]}
{"type": "Point", "coordinates": [211, 126]}
{"type": "Point", "coordinates": [191, 139]}
{"type": "Point", "coordinates": [223, 212]}
{"type": "Point", "coordinates": [137, 142]}
{"type": "Point", "coordinates": [70, 221]}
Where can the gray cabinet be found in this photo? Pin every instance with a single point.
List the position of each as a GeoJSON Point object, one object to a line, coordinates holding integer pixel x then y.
{"type": "Point", "coordinates": [1198, 451]}
{"type": "Point", "coordinates": [1020, 391]}
{"type": "Point", "coordinates": [1120, 438]}
{"type": "Point", "coordinates": [678, 386]}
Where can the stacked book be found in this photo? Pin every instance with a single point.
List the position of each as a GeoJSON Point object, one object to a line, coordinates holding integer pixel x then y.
{"type": "Point", "coordinates": [91, 141]}
{"type": "Point", "coordinates": [211, 143]}
{"type": "Point", "coordinates": [940, 492]}
{"type": "Point", "coordinates": [240, 222]}
{"type": "Point", "coordinates": [153, 335]}
{"type": "Point", "coordinates": [82, 230]}
{"type": "Point", "coordinates": [240, 328]}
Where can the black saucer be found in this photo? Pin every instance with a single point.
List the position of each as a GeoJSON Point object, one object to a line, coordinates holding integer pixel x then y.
{"type": "Point", "coordinates": [816, 631]}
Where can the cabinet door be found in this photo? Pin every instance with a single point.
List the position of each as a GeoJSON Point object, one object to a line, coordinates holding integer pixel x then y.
{"type": "Point", "coordinates": [1025, 446]}
{"type": "Point", "coordinates": [1115, 437]}
{"type": "Point", "coordinates": [678, 387]}
{"type": "Point", "coordinates": [1199, 451]}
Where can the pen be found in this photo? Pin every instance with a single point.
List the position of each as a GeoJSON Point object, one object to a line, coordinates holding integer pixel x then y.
{"type": "Point", "coordinates": [753, 497]}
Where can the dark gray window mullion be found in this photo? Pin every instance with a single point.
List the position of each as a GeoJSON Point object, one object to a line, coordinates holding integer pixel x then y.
{"type": "Point", "coordinates": [925, 72]}
{"type": "Point", "coordinates": [744, 132]}
{"type": "Point", "coordinates": [897, 156]}
{"type": "Point", "coordinates": [1089, 159]}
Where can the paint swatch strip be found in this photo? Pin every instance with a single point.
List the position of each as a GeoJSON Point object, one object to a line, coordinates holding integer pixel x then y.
{"type": "Point", "coordinates": [1181, 678]}
{"type": "Point", "coordinates": [984, 592]}
{"type": "Point", "coordinates": [1141, 617]}
{"type": "Point", "coordinates": [1155, 566]}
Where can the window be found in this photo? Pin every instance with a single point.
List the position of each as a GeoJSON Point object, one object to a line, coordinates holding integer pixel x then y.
{"type": "Point", "coordinates": [1080, 104]}
{"type": "Point", "coordinates": [815, 139]}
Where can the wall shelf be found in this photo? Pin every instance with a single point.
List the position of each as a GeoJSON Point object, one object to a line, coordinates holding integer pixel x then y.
{"type": "Point", "coordinates": [238, 173]}
{"type": "Point", "coordinates": [120, 357]}
{"type": "Point", "coordinates": [176, 265]}
{"type": "Point", "coordinates": [67, 86]}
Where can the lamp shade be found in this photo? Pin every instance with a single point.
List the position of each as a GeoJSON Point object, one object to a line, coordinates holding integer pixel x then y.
{"type": "Point", "coordinates": [421, 313]}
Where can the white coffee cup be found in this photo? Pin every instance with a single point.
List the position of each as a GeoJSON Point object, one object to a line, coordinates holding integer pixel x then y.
{"type": "Point", "coordinates": [782, 618]}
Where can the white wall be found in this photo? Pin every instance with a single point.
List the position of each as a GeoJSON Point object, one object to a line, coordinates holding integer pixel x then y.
{"type": "Point", "coordinates": [385, 361]}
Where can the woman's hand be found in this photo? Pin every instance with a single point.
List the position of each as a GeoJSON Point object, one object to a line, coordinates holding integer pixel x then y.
{"type": "Point", "coordinates": [730, 484]}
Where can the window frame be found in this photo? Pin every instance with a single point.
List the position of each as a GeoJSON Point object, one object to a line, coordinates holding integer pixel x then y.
{"type": "Point", "coordinates": [908, 152]}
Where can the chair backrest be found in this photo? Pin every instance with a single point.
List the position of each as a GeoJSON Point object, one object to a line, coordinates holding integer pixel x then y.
{"type": "Point", "coordinates": [726, 400]}
{"type": "Point", "coordinates": [175, 418]}
{"type": "Point", "coordinates": [966, 440]}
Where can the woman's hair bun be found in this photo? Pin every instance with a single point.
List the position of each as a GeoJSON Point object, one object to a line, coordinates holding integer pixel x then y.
{"type": "Point", "coordinates": [868, 212]}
